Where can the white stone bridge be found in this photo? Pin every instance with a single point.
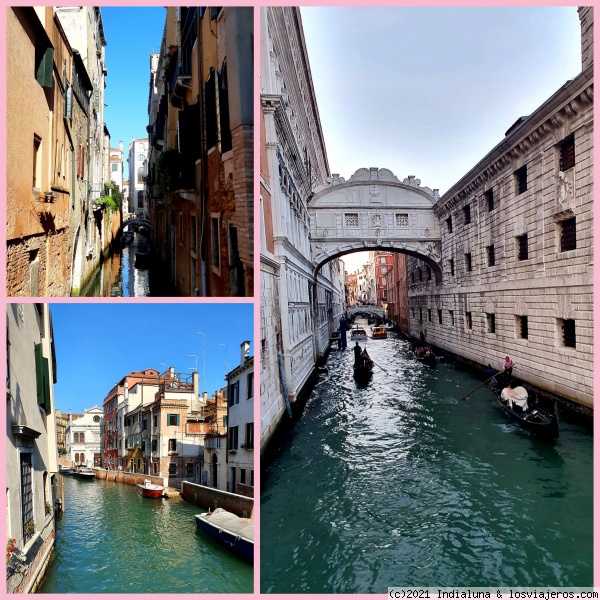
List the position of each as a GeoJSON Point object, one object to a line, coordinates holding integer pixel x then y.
{"type": "Point", "coordinates": [365, 309]}
{"type": "Point", "coordinates": [137, 221]}
{"type": "Point", "coordinates": [374, 210]}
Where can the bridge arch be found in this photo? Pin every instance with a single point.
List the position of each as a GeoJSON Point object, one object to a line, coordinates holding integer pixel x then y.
{"type": "Point", "coordinates": [374, 210]}
{"type": "Point", "coordinates": [136, 220]}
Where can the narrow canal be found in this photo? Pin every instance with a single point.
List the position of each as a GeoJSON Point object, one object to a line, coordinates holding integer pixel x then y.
{"type": "Point", "coordinates": [403, 484]}
{"type": "Point", "coordinates": [111, 540]}
{"type": "Point", "coordinates": [118, 276]}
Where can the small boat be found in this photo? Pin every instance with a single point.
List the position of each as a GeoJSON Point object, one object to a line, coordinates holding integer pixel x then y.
{"type": "Point", "coordinates": [424, 355]}
{"type": "Point", "coordinates": [84, 473]}
{"type": "Point", "coordinates": [127, 238]}
{"type": "Point", "coordinates": [149, 489]}
{"type": "Point", "coordinates": [363, 372]}
{"type": "Point", "coordinates": [533, 417]}
{"type": "Point", "coordinates": [143, 260]}
{"type": "Point", "coordinates": [379, 333]}
{"type": "Point", "coordinates": [63, 470]}
{"type": "Point", "coordinates": [233, 532]}
{"type": "Point", "coordinates": [358, 334]}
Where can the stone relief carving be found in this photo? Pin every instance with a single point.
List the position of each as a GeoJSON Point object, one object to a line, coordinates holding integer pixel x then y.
{"type": "Point", "coordinates": [565, 185]}
{"type": "Point", "coordinates": [377, 220]}
{"type": "Point", "coordinates": [374, 192]}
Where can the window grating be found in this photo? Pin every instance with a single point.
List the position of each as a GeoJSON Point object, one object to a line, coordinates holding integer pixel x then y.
{"type": "Point", "coordinates": [451, 261]}
{"type": "Point", "coordinates": [489, 196]}
{"type": "Point", "coordinates": [451, 317]}
{"type": "Point", "coordinates": [440, 315]}
{"type": "Point", "coordinates": [468, 261]}
{"type": "Point", "coordinates": [449, 223]}
{"type": "Point", "coordinates": [491, 256]}
{"type": "Point", "coordinates": [351, 219]}
{"type": "Point", "coordinates": [521, 179]}
{"type": "Point", "coordinates": [568, 332]}
{"type": "Point", "coordinates": [567, 154]}
{"type": "Point", "coordinates": [26, 493]}
{"type": "Point", "coordinates": [491, 322]}
{"type": "Point", "coordinates": [401, 220]}
{"type": "Point", "coordinates": [523, 247]}
{"type": "Point", "coordinates": [467, 214]}
{"type": "Point", "coordinates": [469, 319]}
{"type": "Point", "coordinates": [568, 236]}
{"type": "Point", "coordinates": [524, 327]}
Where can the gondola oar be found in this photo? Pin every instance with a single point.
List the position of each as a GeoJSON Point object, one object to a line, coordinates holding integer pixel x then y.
{"type": "Point", "coordinates": [490, 378]}
{"type": "Point", "coordinates": [386, 372]}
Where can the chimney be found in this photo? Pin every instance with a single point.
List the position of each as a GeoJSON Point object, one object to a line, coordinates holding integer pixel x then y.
{"type": "Point", "coordinates": [244, 352]}
{"type": "Point", "coordinates": [126, 391]}
{"type": "Point", "coordinates": [586, 19]}
{"type": "Point", "coordinates": [172, 372]}
{"type": "Point", "coordinates": [121, 148]}
{"type": "Point", "coordinates": [195, 383]}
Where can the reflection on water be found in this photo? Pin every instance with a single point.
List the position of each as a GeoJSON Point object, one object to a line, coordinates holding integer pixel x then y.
{"type": "Point", "coordinates": [118, 276]}
{"type": "Point", "coordinates": [111, 540]}
{"type": "Point", "coordinates": [407, 485]}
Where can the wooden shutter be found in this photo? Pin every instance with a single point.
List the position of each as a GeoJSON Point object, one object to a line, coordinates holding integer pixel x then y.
{"type": "Point", "coordinates": [44, 72]}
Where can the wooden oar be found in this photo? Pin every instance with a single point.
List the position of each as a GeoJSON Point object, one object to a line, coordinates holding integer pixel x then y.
{"type": "Point", "coordinates": [492, 377]}
{"type": "Point", "coordinates": [386, 372]}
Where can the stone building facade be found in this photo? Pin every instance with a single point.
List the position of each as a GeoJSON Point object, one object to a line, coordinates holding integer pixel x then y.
{"type": "Point", "coordinates": [32, 480]}
{"type": "Point", "coordinates": [517, 247]}
{"type": "Point", "coordinates": [240, 425]}
{"type": "Point", "coordinates": [84, 437]}
{"type": "Point", "coordinates": [299, 307]}
{"type": "Point", "coordinates": [56, 231]}
{"type": "Point", "coordinates": [200, 163]}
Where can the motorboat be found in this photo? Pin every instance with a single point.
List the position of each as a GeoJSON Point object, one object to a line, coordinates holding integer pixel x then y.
{"type": "Point", "coordinates": [149, 489]}
{"type": "Point", "coordinates": [84, 473]}
{"type": "Point", "coordinates": [64, 470]}
{"type": "Point", "coordinates": [358, 334]}
{"type": "Point", "coordinates": [379, 333]}
{"type": "Point", "coordinates": [233, 532]}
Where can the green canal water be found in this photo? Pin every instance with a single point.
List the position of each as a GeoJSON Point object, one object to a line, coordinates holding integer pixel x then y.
{"type": "Point", "coordinates": [111, 540]}
{"type": "Point", "coordinates": [401, 483]}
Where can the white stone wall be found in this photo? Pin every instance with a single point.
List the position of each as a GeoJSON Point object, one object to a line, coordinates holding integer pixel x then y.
{"type": "Point", "coordinates": [547, 287]}
{"type": "Point", "coordinates": [294, 311]}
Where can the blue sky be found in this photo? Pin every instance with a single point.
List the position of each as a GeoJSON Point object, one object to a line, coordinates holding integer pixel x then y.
{"type": "Point", "coordinates": [98, 344]}
{"type": "Point", "coordinates": [429, 91]}
{"type": "Point", "coordinates": [131, 33]}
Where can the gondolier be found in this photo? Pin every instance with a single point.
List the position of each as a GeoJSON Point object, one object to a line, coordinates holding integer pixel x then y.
{"type": "Point", "coordinates": [358, 361]}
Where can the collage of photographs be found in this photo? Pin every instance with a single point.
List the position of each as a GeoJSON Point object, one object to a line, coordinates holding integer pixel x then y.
{"type": "Point", "coordinates": [422, 328]}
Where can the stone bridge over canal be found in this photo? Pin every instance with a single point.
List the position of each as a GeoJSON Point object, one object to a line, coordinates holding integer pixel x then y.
{"type": "Point", "coordinates": [365, 309]}
{"type": "Point", "coordinates": [136, 221]}
{"type": "Point", "coordinates": [374, 210]}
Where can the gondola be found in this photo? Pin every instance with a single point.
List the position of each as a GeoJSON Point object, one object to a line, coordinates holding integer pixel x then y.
{"type": "Point", "coordinates": [536, 418]}
{"type": "Point", "coordinates": [424, 355]}
{"type": "Point", "coordinates": [363, 372]}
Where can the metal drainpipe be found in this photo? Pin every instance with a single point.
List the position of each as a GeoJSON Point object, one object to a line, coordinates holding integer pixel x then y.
{"type": "Point", "coordinates": [203, 249]}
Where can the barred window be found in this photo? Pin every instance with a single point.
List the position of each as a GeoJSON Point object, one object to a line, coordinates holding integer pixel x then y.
{"type": "Point", "coordinates": [523, 248]}
{"type": "Point", "coordinates": [351, 219]}
{"type": "Point", "coordinates": [567, 153]}
{"type": "Point", "coordinates": [429, 315]}
{"type": "Point", "coordinates": [451, 317]}
{"type": "Point", "coordinates": [521, 180]}
{"type": "Point", "coordinates": [491, 322]}
{"type": "Point", "coordinates": [491, 256]}
{"type": "Point", "coordinates": [467, 213]}
{"type": "Point", "coordinates": [523, 327]}
{"type": "Point", "coordinates": [428, 273]}
{"type": "Point", "coordinates": [451, 262]}
{"type": "Point", "coordinates": [568, 235]}
{"type": "Point", "coordinates": [401, 220]}
{"type": "Point", "coordinates": [469, 320]}
{"type": "Point", "coordinates": [449, 223]}
{"type": "Point", "coordinates": [440, 316]}
{"type": "Point", "coordinates": [468, 261]}
{"type": "Point", "coordinates": [568, 333]}
{"type": "Point", "coordinates": [489, 197]}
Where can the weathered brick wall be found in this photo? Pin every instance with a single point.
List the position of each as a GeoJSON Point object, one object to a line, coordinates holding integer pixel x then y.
{"type": "Point", "coordinates": [126, 477]}
{"type": "Point", "coordinates": [207, 497]}
{"type": "Point", "coordinates": [586, 16]}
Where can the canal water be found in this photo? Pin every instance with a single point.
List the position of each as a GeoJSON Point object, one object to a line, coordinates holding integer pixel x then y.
{"type": "Point", "coordinates": [111, 540]}
{"type": "Point", "coordinates": [401, 483]}
{"type": "Point", "coordinates": [117, 275]}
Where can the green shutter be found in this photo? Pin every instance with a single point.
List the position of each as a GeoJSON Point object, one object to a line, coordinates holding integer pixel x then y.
{"type": "Point", "coordinates": [44, 72]}
{"type": "Point", "coordinates": [46, 373]}
{"type": "Point", "coordinates": [178, 419]}
{"type": "Point", "coordinates": [39, 374]}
